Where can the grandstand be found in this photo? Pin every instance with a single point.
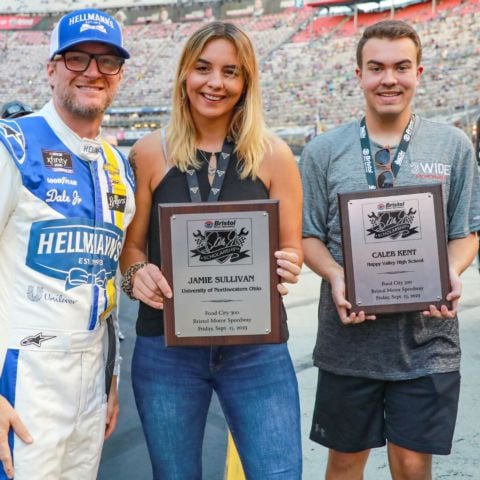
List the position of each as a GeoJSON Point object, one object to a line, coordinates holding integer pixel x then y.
{"type": "Point", "coordinates": [306, 54]}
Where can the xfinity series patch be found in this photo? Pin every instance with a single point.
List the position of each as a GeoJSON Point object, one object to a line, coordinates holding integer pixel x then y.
{"type": "Point", "coordinates": [116, 202]}
{"type": "Point", "coordinates": [58, 161]}
{"type": "Point", "coordinates": [74, 250]}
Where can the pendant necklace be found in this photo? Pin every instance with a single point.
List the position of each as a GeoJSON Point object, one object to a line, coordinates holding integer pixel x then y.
{"type": "Point", "coordinates": [217, 170]}
{"type": "Point", "coordinates": [212, 163]}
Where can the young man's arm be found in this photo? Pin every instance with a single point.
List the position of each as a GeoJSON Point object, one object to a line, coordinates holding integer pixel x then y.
{"type": "Point", "coordinates": [463, 215]}
{"type": "Point", "coordinates": [319, 259]}
{"type": "Point", "coordinates": [461, 253]}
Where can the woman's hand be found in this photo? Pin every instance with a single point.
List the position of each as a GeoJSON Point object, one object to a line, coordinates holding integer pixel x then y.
{"type": "Point", "coordinates": [287, 268]}
{"type": "Point", "coordinates": [150, 286]}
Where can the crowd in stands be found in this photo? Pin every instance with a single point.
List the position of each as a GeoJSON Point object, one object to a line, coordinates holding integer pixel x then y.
{"type": "Point", "coordinates": [307, 62]}
{"type": "Point", "coordinates": [49, 6]}
{"type": "Point", "coordinates": [312, 78]}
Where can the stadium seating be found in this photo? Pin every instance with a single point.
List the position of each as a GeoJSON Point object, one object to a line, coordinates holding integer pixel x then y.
{"type": "Point", "coordinates": [307, 62]}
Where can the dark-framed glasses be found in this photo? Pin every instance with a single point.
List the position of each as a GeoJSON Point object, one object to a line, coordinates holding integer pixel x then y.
{"type": "Point", "coordinates": [79, 62]}
{"type": "Point", "coordinates": [383, 159]}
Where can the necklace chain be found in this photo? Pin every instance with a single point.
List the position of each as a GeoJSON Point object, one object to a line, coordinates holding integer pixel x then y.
{"type": "Point", "coordinates": [212, 162]}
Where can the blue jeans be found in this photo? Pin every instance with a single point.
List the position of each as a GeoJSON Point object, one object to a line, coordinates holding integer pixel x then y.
{"type": "Point", "coordinates": [258, 392]}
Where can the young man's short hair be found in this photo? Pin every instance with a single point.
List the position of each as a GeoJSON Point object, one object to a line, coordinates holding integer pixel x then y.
{"type": "Point", "coordinates": [391, 30]}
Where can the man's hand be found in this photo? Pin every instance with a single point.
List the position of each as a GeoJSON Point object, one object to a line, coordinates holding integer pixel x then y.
{"type": "Point", "coordinates": [453, 297]}
{"type": "Point", "coordinates": [337, 282]}
{"type": "Point", "coordinates": [112, 409]}
{"type": "Point", "coordinates": [10, 419]}
{"type": "Point", "coordinates": [320, 260]}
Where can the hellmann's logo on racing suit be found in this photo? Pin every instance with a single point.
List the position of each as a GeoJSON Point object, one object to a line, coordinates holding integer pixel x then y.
{"type": "Point", "coordinates": [74, 250]}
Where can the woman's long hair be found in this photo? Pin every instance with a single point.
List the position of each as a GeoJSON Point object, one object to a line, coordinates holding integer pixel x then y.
{"type": "Point", "coordinates": [247, 127]}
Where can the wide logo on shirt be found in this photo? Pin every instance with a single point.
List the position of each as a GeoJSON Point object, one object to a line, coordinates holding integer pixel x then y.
{"type": "Point", "coordinates": [431, 170]}
{"type": "Point", "coordinates": [74, 250]}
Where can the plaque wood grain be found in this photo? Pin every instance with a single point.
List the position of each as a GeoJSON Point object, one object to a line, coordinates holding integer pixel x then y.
{"type": "Point", "coordinates": [166, 211]}
{"type": "Point", "coordinates": [350, 263]}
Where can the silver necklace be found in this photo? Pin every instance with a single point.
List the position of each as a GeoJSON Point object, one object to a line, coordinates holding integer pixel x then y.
{"type": "Point", "coordinates": [212, 163]}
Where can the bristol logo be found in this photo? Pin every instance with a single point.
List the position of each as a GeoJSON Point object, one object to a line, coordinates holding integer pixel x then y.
{"type": "Point", "coordinates": [220, 245]}
{"type": "Point", "coordinates": [392, 224]}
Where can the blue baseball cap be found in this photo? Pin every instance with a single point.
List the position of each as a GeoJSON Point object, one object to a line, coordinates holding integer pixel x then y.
{"type": "Point", "coordinates": [87, 25]}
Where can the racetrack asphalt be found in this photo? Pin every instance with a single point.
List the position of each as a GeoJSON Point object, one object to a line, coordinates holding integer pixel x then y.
{"type": "Point", "coordinates": [125, 456]}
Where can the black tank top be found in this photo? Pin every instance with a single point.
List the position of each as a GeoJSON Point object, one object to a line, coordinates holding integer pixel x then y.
{"type": "Point", "coordinates": [173, 189]}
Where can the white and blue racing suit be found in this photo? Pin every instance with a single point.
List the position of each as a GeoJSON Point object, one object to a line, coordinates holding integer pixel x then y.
{"type": "Point", "coordinates": [65, 204]}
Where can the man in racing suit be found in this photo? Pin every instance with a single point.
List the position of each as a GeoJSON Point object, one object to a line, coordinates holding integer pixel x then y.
{"type": "Point", "coordinates": [66, 199]}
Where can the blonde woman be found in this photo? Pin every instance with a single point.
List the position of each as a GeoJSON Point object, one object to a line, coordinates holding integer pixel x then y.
{"type": "Point", "coordinates": [216, 98]}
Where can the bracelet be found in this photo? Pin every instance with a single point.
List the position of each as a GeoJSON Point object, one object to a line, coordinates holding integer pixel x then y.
{"type": "Point", "coordinates": [127, 281]}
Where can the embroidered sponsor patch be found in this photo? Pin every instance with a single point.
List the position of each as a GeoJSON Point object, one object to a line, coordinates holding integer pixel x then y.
{"type": "Point", "coordinates": [36, 339]}
{"type": "Point", "coordinates": [58, 161]}
{"type": "Point", "coordinates": [89, 149]}
{"type": "Point", "coordinates": [62, 181]}
{"type": "Point", "coordinates": [62, 196]}
{"type": "Point", "coordinates": [116, 202]}
{"type": "Point", "coordinates": [15, 141]}
{"type": "Point", "coordinates": [75, 250]}
{"type": "Point", "coordinates": [36, 293]}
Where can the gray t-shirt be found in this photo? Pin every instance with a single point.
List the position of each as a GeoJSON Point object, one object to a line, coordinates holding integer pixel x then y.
{"type": "Point", "coordinates": [395, 346]}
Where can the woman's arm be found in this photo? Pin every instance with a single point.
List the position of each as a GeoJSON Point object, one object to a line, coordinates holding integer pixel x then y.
{"type": "Point", "coordinates": [148, 283]}
{"type": "Point", "coordinates": [280, 174]}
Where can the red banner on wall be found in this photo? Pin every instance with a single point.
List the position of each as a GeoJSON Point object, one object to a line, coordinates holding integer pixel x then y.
{"type": "Point", "coordinates": [17, 22]}
{"type": "Point", "coordinates": [330, 3]}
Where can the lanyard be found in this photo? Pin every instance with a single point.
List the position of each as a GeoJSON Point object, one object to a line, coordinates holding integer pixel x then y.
{"type": "Point", "coordinates": [367, 152]}
{"type": "Point", "coordinates": [222, 165]}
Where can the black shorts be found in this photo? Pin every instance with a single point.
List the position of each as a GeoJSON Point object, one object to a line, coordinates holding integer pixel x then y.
{"type": "Point", "coordinates": [353, 414]}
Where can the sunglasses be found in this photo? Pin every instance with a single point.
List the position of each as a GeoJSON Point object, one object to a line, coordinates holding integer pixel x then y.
{"type": "Point", "coordinates": [383, 159]}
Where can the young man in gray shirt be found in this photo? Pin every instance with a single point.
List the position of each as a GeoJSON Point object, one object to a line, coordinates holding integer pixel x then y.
{"type": "Point", "coordinates": [388, 377]}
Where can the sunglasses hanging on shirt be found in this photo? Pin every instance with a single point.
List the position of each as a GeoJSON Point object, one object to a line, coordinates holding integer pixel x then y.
{"type": "Point", "coordinates": [387, 166]}
{"type": "Point", "coordinates": [383, 160]}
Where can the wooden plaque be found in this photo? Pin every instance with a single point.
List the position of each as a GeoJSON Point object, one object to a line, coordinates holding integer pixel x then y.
{"type": "Point", "coordinates": [219, 260]}
{"type": "Point", "coordinates": [394, 249]}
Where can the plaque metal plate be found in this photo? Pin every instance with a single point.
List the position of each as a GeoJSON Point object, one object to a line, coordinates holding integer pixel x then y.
{"type": "Point", "coordinates": [219, 260]}
{"type": "Point", "coordinates": [394, 249]}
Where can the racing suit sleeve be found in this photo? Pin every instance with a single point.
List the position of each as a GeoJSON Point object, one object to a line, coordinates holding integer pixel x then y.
{"type": "Point", "coordinates": [10, 187]}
